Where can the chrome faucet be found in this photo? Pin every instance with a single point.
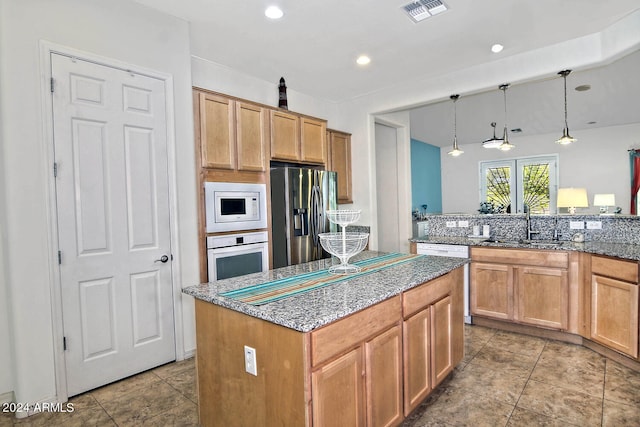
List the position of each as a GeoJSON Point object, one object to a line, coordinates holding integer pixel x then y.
{"type": "Point", "coordinates": [556, 235]}
{"type": "Point", "coordinates": [530, 232]}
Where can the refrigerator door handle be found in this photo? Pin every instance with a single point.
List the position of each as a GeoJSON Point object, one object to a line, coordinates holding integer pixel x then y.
{"type": "Point", "coordinates": [315, 214]}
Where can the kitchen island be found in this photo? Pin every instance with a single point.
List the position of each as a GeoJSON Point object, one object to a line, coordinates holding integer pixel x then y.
{"type": "Point", "coordinates": [365, 350]}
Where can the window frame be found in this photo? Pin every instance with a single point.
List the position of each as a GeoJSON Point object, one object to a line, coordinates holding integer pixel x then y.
{"type": "Point", "coordinates": [516, 178]}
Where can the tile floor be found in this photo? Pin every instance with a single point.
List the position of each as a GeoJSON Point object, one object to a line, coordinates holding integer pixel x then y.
{"type": "Point", "coordinates": [505, 379]}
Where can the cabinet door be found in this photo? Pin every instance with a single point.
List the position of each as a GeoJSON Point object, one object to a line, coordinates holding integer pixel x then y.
{"type": "Point", "coordinates": [417, 360]}
{"type": "Point", "coordinates": [338, 393]}
{"type": "Point", "coordinates": [252, 134]}
{"type": "Point", "coordinates": [340, 161]}
{"type": "Point", "coordinates": [614, 314]}
{"type": "Point", "coordinates": [543, 297]}
{"type": "Point", "coordinates": [285, 136]}
{"type": "Point", "coordinates": [384, 378]}
{"type": "Point", "coordinates": [441, 344]}
{"type": "Point", "coordinates": [217, 132]}
{"type": "Point", "coordinates": [313, 141]}
{"type": "Point", "coordinates": [491, 289]}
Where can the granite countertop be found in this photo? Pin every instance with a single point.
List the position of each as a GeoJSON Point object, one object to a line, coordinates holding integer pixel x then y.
{"type": "Point", "coordinates": [618, 250]}
{"type": "Point", "coordinates": [318, 307]}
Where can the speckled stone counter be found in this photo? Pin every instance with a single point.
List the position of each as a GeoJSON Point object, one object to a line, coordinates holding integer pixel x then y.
{"type": "Point", "coordinates": [619, 235]}
{"type": "Point", "coordinates": [319, 307]}
{"type": "Point", "coordinates": [618, 250]}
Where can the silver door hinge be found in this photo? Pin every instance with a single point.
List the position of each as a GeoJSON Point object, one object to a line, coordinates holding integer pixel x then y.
{"type": "Point", "coordinates": [64, 343]}
{"type": "Point", "coordinates": [55, 169]}
{"type": "Point", "coordinates": [52, 84]}
{"type": "Point", "coordinates": [59, 257]}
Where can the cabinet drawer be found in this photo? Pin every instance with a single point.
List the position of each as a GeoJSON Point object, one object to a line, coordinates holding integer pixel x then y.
{"type": "Point", "coordinates": [426, 294]}
{"type": "Point", "coordinates": [536, 258]}
{"type": "Point", "coordinates": [616, 268]}
{"type": "Point", "coordinates": [332, 339]}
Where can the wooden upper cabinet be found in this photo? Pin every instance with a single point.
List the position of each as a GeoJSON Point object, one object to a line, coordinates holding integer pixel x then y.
{"type": "Point", "coordinates": [340, 161]}
{"type": "Point", "coordinates": [252, 137]}
{"type": "Point", "coordinates": [217, 132]}
{"type": "Point", "coordinates": [313, 142]}
{"type": "Point", "coordinates": [298, 138]}
{"type": "Point", "coordinates": [233, 134]}
{"type": "Point", "coordinates": [285, 136]}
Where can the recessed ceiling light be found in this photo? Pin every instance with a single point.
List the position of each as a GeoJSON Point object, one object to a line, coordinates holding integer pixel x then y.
{"type": "Point", "coordinates": [363, 60]}
{"type": "Point", "coordinates": [496, 48]}
{"type": "Point", "coordinates": [583, 88]}
{"type": "Point", "coordinates": [274, 12]}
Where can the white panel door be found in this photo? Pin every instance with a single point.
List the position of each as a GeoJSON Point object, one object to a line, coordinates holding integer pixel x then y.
{"type": "Point", "coordinates": [112, 194]}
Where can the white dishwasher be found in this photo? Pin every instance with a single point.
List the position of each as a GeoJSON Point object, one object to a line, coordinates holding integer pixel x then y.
{"type": "Point", "coordinates": [453, 251]}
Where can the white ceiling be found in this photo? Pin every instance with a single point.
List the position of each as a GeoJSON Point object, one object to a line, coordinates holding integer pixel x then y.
{"type": "Point", "coordinates": [538, 107]}
{"type": "Point", "coordinates": [315, 44]}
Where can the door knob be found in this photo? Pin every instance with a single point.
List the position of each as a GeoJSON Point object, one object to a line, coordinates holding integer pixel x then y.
{"type": "Point", "coordinates": [162, 259]}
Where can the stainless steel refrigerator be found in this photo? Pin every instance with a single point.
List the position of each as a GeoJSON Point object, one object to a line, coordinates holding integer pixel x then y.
{"type": "Point", "coordinates": [299, 199]}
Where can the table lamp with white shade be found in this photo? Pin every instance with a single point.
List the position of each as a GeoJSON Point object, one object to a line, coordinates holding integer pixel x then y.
{"type": "Point", "coordinates": [604, 201]}
{"type": "Point", "coordinates": [572, 198]}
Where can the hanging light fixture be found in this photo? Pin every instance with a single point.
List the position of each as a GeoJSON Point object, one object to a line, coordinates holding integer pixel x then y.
{"type": "Point", "coordinates": [506, 145]}
{"type": "Point", "coordinates": [456, 151]}
{"type": "Point", "coordinates": [492, 142]}
{"type": "Point", "coordinates": [565, 138]}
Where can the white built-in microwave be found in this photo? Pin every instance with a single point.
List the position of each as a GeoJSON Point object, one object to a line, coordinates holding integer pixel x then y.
{"type": "Point", "coordinates": [235, 206]}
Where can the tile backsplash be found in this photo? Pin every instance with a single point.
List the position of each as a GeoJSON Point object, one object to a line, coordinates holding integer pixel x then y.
{"type": "Point", "coordinates": [613, 229]}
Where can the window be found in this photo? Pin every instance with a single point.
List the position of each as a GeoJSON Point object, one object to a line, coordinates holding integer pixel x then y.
{"type": "Point", "coordinates": [520, 185]}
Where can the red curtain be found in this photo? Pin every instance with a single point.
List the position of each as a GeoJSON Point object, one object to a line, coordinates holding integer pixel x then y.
{"type": "Point", "coordinates": [634, 156]}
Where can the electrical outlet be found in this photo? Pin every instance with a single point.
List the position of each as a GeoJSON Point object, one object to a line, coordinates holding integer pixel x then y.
{"type": "Point", "coordinates": [451, 224]}
{"type": "Point", "coordinates": [594, 225]}
{"type": "Point", "coordinates": [576, 225]}
{"type": "Point", "coordinates": [463, 223]}
{"type": "Point", "coordinates": [250, 360]}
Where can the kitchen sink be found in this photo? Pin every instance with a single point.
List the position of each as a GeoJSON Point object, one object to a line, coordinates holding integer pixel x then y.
{"type": "Point", "coordinates": [526, 242]}
{"type": "Point", "coordinates": [544, 242]}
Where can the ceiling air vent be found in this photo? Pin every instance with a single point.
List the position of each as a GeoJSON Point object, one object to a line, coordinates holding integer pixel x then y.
{"type": "Point", "coordinates": [422, 9]}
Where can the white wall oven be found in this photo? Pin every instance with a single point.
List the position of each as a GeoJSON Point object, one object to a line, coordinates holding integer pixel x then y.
{"type": "Point", "coordinates": [233, 255]}
{"type": "Point", "coordinates": [235, 206]}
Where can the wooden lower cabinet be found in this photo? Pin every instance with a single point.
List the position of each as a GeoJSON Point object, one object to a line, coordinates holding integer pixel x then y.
{"type": "Point", "coordinates": [383, 374]}
{"type": "Point", "coordinates": [491, 290]}
{"type": "Point", "coordinates": [356, 371]}
{"type": "Point", "coordinates": [542, 297]}
{"type": "Point", "coordinates": [361, 387]}
{"type": "Point", "coordinates": [338, 391]}
{"type": "Point", "coordinates": [614, 314]}
{"type": "Point", "coordinates": [432, 336]}
{"type": "Point", "coordinates": [530, 294]}
{"type": "Point", "coordinates": [417, 359]}
{"type": "Point", "coordinates": [441, 343]}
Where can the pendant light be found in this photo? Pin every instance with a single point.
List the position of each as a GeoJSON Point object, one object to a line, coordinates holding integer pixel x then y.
{"type": "Point", "coordinates": [492, 142]}
{"type": "Point", "coordinates": [506, 145]}
{"type": "Point", "coordinates": [565, 138]}
{"type": "Point", "coordinates": [456, 151]}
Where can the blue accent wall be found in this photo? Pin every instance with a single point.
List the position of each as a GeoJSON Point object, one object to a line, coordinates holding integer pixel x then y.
{"type": "Point", "coordinates": [426, 181]}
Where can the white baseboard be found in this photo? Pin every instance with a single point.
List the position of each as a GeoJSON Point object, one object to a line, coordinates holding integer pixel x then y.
{"type": "Point", "coordinates": [188, 354]}
{"type": "Point", "coordinates": [6, 397]}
